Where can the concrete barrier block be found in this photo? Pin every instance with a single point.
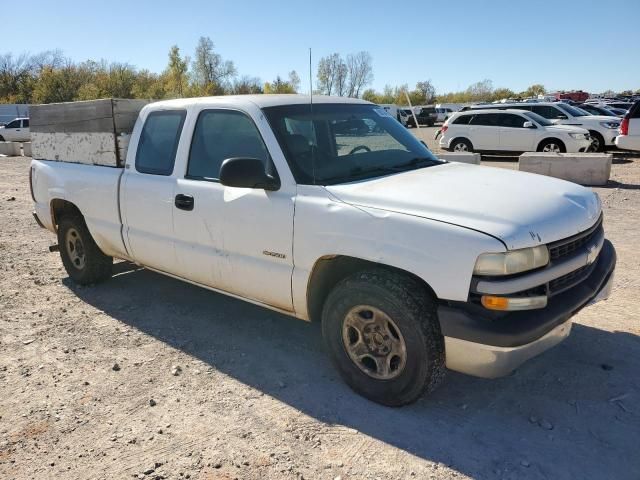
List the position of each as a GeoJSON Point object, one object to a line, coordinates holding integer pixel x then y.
{"type": "Point", "coordinates": [461, 157]}
{"type": "Point", "coordinates": [582, 168]}
{"type": "Point", "coordinates": [26, 149]}
{"type": "Point", "coordinates": [12, 149]}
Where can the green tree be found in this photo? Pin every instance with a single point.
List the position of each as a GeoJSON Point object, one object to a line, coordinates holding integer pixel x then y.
{"type": "Point", "coordinates": [534, 90]}
{"type": "Point", "coordinates": [176, 73]}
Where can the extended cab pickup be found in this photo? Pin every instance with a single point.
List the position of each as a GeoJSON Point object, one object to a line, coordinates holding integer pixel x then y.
{"type": "Point", "coordinates": [410, 263]}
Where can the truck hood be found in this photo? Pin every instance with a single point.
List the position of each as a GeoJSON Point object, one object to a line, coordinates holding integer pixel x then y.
{"type": "Point", "coordinates": [521, 209]}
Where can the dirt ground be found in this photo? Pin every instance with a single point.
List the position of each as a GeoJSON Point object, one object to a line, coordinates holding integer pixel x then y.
{"type": "Point", "coordinates": [148, 377]}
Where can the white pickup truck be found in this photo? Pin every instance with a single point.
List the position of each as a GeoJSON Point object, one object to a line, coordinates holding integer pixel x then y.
{"type": "Point", "coordinates": [333, 212]}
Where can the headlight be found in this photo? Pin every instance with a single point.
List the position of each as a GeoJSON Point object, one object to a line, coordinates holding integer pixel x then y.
{"type": "Point", "coordinates": [610, 124]}
{"type": "Point", "coordinates": [514, 261]}
{"type": "Point", "coordinates": [578, 136]}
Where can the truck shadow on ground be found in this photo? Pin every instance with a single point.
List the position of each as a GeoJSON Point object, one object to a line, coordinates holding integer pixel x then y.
{"type": "Point", "coordinates": [572, 413]}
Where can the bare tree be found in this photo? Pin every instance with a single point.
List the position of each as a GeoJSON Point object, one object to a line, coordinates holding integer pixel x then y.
{"type": "Point", "coordinates": [427, 91]}
{"type": "Point", "coordinates": [210, 71]}
{"type": "Point", "coordinates": [332, 75]}
{"type": "Point", "coordinates": [294, 81]}
{"type": "Point", "coordinates": [360, 71]}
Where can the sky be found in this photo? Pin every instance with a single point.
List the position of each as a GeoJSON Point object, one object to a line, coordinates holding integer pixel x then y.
{"type": "Point", "coordinates": [591, 45]}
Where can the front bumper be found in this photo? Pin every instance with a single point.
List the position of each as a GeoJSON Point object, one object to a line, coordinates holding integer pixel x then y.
{"type": "Point", "coordinates": [492, 344]}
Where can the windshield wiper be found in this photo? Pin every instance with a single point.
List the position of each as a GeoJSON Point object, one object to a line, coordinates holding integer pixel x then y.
{"type": "Point", "coordinates": [414, 162]}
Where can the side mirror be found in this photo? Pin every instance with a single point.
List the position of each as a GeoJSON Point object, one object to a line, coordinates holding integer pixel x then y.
{"type": "Point", "coordinates": [562, 117]}
{"type": "Point", "coordinates": [247, 173]}
{"type": "Point", "coordinates": [528, 125]}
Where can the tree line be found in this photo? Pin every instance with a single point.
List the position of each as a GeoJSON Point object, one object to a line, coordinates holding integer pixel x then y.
{"type": "Point", "coordinates": [50, 77]}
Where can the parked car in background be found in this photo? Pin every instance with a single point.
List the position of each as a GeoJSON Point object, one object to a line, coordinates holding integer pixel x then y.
{"type": "Point", "coordinates": [598, 110]}
{"type": "Point", "coordinates": [629, 138]}
{"type": "Point", "coordinates": [15, 131]}
{"type": "Point", "coordinates": [443, 113]}
{"type": "Point", "coordinates": [519, 131]}
{"type": "Point", "coordinates": [425, 115]}
{"type": "Point", "coordinates": [603, 129]}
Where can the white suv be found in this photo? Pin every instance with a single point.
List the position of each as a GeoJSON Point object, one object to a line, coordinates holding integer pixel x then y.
{"type": "Point", "coordinates": [603, 129]}
{"type": "Point", "coordinates": [510, 131]}
{"type": "Point", "coordinates": [629, 138]}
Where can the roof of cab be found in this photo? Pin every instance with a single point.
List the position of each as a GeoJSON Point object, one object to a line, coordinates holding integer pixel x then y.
{"type": "Point", "coordinates": [261, 101]}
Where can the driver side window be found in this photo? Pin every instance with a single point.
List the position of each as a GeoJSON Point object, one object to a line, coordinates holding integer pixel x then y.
{"type": "Point", "coordinates": [219, 135]}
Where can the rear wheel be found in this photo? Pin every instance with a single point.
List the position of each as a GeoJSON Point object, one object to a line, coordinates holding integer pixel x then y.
{"type": "Point", "coordinates": [461, 145]}
{"type": "Point", "coordinates": [82, 258]}
{"type": "Point", "coordinates": [551, 145]}
{"type": "Point", "coordinates": [383, 335]}
{"type": "Point", "coordinates": [1, 138]}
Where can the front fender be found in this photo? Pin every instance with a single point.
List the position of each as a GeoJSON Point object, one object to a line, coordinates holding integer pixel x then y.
{"type": "Point", "coordinates": [441, 254]}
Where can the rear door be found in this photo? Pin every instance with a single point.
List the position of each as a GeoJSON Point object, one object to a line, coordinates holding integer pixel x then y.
{"type": "Point", "coordinates": [147, 191]}
{"type": "Point", "coordinates": [513, 136]}
{"type": "Point", "coordinates": [484, 131]}
{"type": "Point", "coordinates": [26, 132]}
{"type": "Point", "coordinates": [238, 240]}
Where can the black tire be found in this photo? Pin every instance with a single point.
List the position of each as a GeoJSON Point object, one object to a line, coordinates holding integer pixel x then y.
{"type": "Point", "coordinates": [597, 142]}
{"type": "Point", "coordinates": [468, 147]}
{"type": "Point", "coordinates": [1, 138]}
{"type": "Point", "coordinates": [95, 266]}
{"type": "Point", "coordinates": [412, 310]}
{"type": "Point", "coordinates": [551, 142]}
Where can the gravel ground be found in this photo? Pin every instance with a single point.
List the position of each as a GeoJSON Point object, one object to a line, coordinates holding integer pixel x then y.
{"type": "Point", "coordinates": [148, 377]}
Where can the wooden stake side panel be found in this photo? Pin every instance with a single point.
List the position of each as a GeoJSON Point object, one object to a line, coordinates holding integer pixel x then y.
{"type": "Point", "coordinates": [88, 148]}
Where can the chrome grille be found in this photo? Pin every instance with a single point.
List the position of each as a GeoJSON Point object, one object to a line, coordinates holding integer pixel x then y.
{"type": "Point", "coordinates": [566, 247]}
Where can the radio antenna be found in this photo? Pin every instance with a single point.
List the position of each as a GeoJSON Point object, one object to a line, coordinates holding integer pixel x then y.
{"type": "Point", "coordinates": [313, 153]}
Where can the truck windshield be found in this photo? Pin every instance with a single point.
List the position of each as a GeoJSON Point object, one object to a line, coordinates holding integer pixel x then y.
{"type": "Point", "coordinates": [337, 143]}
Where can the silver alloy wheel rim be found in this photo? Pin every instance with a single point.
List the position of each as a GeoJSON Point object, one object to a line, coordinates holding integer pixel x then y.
{"type": "Point", "coordinates": [75, 248]}
{"type": "Point", "coordinates": [595, 144]}
{"type": "Point", "coordinates": [551, 147]}
{"type": "Point", "coordinates": [374, 342]}
{"type": "Point", "coordinates": [460, 147]}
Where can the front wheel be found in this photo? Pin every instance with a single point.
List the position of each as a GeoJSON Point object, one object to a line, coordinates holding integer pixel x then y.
{"type": "Point", "coordinates": [551, 145]}
{"type": "Point", "coordinates": [597, 142]}
{"type": "Point", "coordinates": [82, 258]}
{"type": "Point", "coordinates": [383, 335]}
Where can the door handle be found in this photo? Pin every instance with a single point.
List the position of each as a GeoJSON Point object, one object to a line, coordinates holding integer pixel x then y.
{"type": "Point", "coordinates": [184, 202]}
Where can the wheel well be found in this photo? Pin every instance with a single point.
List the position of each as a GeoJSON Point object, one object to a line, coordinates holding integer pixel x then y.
{"type": "Point", "coordinates": [60, 208]}
{"type": "Point", "coordinates": [330, 270]}
{"type": "Point", "coordinates": [460, 138]}
{"type": "Point", "coordinates": [557, 140]}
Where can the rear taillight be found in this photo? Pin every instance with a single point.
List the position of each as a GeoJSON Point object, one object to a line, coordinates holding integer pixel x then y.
{"type": "Point", "coordinates": [624, 126]}
{"type": "Point", "coordinates": [444, 128]}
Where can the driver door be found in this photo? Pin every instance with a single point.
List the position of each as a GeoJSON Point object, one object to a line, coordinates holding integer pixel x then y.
{"type": "Point", "coordinates": [238, 240]}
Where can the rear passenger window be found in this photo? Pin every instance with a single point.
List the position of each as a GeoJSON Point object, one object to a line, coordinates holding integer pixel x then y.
{"type": "Point", "coordinates": [512, 121]}
{"type": "Point", "coordinates": [222, 134]}
{"type": "Point", "coordinates": [463, 120]}
{"type": "Point", "coordinates": [634, 111]}
{"type": "Point", "coordinates": [546, 111]}
{"type": "Point", "coordinates": [159, 141]}
{"type": "Point", "coordinates": [486, 119]}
